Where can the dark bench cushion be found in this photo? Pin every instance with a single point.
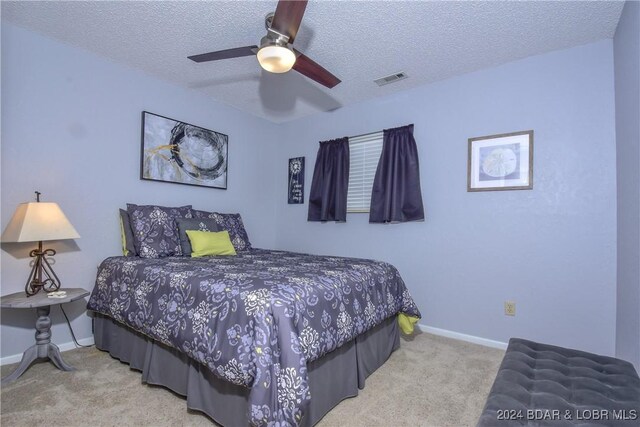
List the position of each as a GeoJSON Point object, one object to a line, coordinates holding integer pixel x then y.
{"type": "Point", "coordinates": [540, 384]}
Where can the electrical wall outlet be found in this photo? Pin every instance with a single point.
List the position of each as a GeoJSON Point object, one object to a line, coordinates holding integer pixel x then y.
{"type": "Point", "coordinates": [509, 308]}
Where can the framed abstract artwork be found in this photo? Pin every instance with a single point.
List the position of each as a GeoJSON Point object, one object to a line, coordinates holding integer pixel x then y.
{"type": "Point", "coordinates": [296, 181]}
{"type": "Point", "coordinates": [501, 162]}
{"type": "Point", "coordinates": [181, 153]}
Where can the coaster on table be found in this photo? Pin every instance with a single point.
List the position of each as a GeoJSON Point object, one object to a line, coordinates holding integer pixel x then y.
{"type": "Point", "coordinates": [57, 294]}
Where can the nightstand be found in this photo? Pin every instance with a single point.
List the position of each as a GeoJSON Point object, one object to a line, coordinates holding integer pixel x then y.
{"type": "Point", "coordinates": [43, 348]}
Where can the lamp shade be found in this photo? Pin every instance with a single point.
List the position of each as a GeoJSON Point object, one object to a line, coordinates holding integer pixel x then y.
{"type": "Point", "coordinates": [34, 222]}
{"type": "Point", "coordinates": [276, 59]}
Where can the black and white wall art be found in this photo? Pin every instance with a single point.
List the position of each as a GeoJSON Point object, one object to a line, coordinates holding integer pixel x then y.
{"type": "Point", "coordinates": [178, 152]}
{"type": "Point", "coordinates": [296, 181]}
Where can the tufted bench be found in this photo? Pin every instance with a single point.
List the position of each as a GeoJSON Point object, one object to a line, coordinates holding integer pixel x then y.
{"type": "Point", "coordinates": [540, 385]}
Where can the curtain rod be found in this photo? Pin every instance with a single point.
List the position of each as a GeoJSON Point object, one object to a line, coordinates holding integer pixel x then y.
{"type": "Point", "coordinates": [371, 133]}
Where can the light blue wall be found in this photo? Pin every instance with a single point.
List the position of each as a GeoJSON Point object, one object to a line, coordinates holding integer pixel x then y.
{"type": "Point", "coordinates": [71, 129]}
{"type": "Point", "coordinates": [626, 45]}
{"type": "Point", "coordinates": [551, 249]}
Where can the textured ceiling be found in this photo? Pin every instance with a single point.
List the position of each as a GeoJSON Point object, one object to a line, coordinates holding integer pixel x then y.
{"type": "Point", "coordinates": [357, 41]}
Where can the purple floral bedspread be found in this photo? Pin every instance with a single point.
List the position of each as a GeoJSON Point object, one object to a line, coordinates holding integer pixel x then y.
{"type": "Point", "coordinates": [254, 319]}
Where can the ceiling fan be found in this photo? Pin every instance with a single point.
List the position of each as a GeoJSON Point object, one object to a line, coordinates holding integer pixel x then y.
{"type": "Point", "coordinates": [275, 53]}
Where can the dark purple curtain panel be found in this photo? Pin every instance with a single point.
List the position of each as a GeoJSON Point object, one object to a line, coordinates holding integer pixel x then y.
{"type": "Point", "coordinates": [328, 195]}
{"type": "Point", "coordinates": [396, 195]}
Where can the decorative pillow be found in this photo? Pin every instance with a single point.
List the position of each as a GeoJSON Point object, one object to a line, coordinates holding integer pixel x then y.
{"type": "Point", "coordinates": [210, 243]}
{"type": "Point", "coordinates": [128, 249]}
{"type": "Point", "coordinates": [202, 214]}
{"type": "Point", "coordinates": [155, 233]}
{"type": "Point", "coordinates": [233, 224]}
{"type": "Point", "coordinates": [199, 224]}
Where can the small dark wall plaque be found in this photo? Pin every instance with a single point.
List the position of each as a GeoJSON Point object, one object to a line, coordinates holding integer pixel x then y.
{"type": "Point", "coordinates": [296, 181]}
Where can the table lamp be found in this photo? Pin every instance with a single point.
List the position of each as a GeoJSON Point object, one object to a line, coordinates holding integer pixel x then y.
{"type": "Point", "coordinates": [38, 222]}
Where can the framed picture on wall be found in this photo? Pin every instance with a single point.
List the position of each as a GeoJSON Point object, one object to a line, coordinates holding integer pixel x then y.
{"type": "Point", "coordinates": [182, 153]}
{"type": "Point", "coordinates": [501, 162]}
{"type": "Point", "coordinates": [296, 181]}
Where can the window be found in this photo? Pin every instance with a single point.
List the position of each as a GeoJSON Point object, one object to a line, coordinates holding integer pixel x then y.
{"type": "Point", "coordinates": [364, 154]}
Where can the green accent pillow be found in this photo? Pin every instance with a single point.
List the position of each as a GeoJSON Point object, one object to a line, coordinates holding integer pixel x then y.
{"type": "Point", "coordinates": [125, 251]}
{"type": "Point", "coordinates": [126, 234]}
{"type": "Point", "coordinates": [204, 243]}
{"type": "Point", "coordinates": [198, 224]}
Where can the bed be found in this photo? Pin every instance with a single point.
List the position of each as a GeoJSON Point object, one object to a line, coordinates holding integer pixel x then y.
{"type": "Point", "coordinates": [263, 338]}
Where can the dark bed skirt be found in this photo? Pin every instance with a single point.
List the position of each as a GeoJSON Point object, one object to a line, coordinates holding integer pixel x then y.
{"type": "Point", "coordinates": [332, 378]}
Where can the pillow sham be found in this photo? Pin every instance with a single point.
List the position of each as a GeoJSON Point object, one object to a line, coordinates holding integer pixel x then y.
{"type": "Point", "coordinates": [201, 214]}
{"type": "Point", "coordinates": [206, 243]}
{"type": "Point", "coordinates": [155, 233]}
{"type": "Point", "coordinates": [198, 224]}
{"type": "Point", "coordinates": [233, 224]}
{"type": "Point", "coordinates": [128, 249]}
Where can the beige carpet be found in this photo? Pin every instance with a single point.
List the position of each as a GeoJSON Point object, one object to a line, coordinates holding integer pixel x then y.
{"type": "Point", "coordinates": [429, 381]}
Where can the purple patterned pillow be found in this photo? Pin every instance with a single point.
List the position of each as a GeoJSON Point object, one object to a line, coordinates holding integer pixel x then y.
{"type": "Point", "coordinates": [202, 214]}
{"type": "Point", "coordinates": [155, 233]}
{"type": "Point", "coordinates": [233, 224]}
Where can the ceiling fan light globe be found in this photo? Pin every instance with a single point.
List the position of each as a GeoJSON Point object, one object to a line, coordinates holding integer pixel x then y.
{"type": "Point", "coordinates": [276, 59]}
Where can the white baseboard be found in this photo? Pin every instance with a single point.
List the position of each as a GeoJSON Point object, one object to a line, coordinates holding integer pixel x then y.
{"type": "Point", "coordinates": [63, 347]}
{"type": "Point", "coordinates": [463, 337]}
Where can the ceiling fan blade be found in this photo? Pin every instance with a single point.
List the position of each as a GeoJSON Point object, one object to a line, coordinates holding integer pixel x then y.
{"type": "Point", "coordinates": [308, 67]}
{"type": "Point", "coordinates": [236, 52]}
{"type": "Point", "coordinates": [288, 16]}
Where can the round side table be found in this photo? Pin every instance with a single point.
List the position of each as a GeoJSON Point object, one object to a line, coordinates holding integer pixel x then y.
{"type": "Point", "coordinates": [43, 348]}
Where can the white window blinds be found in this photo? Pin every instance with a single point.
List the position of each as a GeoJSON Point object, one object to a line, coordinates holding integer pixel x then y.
{"type": "Point", "coordinates": [364, 154]}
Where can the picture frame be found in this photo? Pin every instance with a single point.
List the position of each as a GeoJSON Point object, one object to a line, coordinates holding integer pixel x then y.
{"type": "Point", "coordinates": [501, 162]}
{"type": "Point", "coordinates": [295, 188]}
{"type": "Point", "coordinates": [181, 153]}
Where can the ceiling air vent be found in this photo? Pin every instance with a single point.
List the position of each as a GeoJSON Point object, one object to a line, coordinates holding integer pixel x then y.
{"type": "Point", "coordinates": [390, 79]}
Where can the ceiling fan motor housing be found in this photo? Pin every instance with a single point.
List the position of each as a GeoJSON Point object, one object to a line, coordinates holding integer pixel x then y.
{"type": "Point", "coordinates": [273, 38]}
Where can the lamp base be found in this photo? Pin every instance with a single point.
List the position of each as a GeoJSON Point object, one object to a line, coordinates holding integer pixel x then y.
{"type": "Point", "coordinates": [42, 275]}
